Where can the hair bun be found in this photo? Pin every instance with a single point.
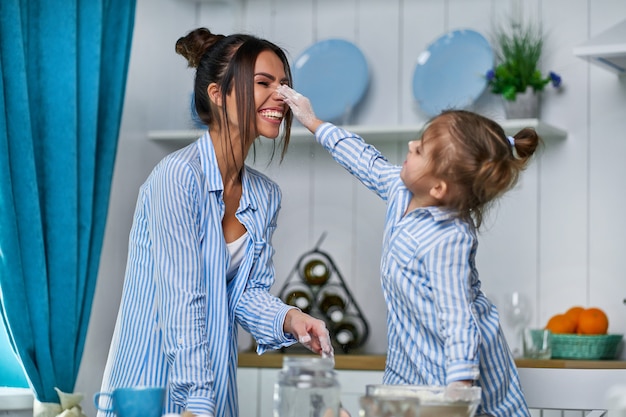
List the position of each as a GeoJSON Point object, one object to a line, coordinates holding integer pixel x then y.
{"type": "Point", "coordinates": [193, 46]}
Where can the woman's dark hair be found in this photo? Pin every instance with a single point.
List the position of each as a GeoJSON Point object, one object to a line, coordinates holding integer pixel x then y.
{"type": "Point", "coordinates": [476, 158]}
{"type": "Point", "coordinates": [229, 62]}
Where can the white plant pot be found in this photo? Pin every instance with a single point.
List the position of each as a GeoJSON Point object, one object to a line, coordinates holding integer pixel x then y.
{"type": "Point", "coordinates": [525, 106]}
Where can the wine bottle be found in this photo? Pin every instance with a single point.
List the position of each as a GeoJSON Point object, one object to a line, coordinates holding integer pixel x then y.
{"type": "Point", "coordinates": [333, 306]}
{"type": "Point", "coordinates": [346, 335]}
{"type": "Point", "coordinates": [316, 272]}
{"type": "Point", "coordinates": [300, 299]}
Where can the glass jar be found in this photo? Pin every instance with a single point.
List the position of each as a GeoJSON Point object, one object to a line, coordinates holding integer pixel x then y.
{"type": "Point", "coordinates": [307, 386]}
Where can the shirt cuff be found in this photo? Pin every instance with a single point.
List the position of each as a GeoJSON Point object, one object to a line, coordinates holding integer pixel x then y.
{"type": "Point", "coordinates": [462, 370]}
{"type": "Point", "coordinates": [282, 339]}
{"type": "Point", "coordinates": [201, 406]}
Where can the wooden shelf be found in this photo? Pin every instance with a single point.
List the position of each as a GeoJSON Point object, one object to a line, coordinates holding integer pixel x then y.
{"type": "Point", "coordinates": [371, 134]}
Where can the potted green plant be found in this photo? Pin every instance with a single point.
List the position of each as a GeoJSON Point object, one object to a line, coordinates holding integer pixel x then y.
{"type": "Point", "coordinates": [516, 76]}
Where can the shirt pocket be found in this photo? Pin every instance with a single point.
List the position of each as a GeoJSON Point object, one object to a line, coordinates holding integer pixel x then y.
{"type": "Point", "coordinates": [405, 266]}
{"type": "Point", "coordinates": [403, 250]}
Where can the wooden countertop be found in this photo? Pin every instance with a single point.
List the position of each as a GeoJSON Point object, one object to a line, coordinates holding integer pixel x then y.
{"type": "Point", "coordinates": [352, 362]}
{"type": "Point", "coordinates": [570, 364]}
{"type": "Point", "coordinates": [377, 362]}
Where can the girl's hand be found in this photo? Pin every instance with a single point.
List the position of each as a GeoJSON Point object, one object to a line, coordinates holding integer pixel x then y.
{"type": "Point", "coordinates": [300, 106]}
{"type": "Point", "coordinates": [309, 331]}
{"type": "Point", "coordinates": [459, 390]}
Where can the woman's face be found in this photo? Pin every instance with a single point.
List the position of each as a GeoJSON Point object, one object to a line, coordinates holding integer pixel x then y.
{"type": "Point", "coordinates": [269, 73]}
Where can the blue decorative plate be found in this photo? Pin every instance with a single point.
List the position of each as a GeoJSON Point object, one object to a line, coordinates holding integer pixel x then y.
{"type": "Point", "coordinates": [450, 73]}
{"type": "Point", "coordinates": [333, 74]}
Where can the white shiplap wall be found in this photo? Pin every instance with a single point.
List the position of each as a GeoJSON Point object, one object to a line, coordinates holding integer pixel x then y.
{"type": "Point", "coordinates": [557, 237]}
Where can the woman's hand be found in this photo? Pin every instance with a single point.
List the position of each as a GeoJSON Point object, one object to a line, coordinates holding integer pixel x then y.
{"type": "Point", "coordinates": [300, 106]}
{"type": "Point", "coordinates": [309, 331]}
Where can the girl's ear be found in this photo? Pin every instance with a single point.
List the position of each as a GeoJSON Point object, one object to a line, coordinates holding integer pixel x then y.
{"type": "Point", "coordinates": [213, 91]}
{"type": "Point", "coordinates": [439, 190]}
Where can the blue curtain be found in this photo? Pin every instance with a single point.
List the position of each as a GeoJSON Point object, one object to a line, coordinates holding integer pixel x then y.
{"type": "Point", "coordinates": [64, 66]}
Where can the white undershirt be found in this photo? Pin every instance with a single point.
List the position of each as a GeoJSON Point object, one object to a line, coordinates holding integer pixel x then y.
{"type": "Point", "coordinates": [237, 250]}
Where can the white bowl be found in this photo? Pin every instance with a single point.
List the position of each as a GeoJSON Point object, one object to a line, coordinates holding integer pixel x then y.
{"type": "Point", "coordinates": [427, 401]}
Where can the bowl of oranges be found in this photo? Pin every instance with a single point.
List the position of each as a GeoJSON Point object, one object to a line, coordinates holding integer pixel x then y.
{"type": "Point", "coordinates": [582, 333]}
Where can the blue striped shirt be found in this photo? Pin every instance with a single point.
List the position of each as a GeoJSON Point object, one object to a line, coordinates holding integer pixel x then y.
{"type": "Point", "coordinates": [440, 326]}
{"type": "Point", "coordinates": [176, 326]}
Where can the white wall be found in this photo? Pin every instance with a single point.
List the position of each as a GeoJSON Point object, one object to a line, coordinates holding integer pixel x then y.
{"type": "Point", "coordinates": [557, 237]}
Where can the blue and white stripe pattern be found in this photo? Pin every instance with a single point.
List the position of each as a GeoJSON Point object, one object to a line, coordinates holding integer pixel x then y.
{"type": "Point", "coordinates": [441, 327]}
{"type": "Point", "coordinates": [176, 326]}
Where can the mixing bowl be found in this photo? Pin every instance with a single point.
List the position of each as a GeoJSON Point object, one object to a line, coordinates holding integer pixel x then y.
{"type": "Point", "coordinates": [419, 401]}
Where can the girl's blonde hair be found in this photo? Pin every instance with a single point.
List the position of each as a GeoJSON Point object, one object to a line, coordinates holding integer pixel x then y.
{"type": "Point", "coordinates": [476, 159]}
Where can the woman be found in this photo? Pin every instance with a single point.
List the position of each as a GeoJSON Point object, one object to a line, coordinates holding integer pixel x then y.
{"type": "Point", "coordinates": [200, 259]}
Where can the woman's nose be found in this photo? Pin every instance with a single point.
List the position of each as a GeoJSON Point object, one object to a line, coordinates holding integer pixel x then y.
{"type": "Point", "coordinates": [277, 96]}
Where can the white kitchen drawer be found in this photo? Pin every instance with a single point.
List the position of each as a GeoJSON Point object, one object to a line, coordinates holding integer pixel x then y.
{"type": "Point", "coordinates": [256, 389]}
{"type": "Point", "coordinates": [569, 389]}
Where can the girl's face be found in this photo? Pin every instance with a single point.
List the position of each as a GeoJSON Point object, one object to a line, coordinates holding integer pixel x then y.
{"type": "Point", "coordinates": [416, 170]}
{"type": "Point", "coordinates": [269, 73]}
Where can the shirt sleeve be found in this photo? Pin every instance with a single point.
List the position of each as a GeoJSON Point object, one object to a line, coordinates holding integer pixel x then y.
{"type": "Point", "coordinates": [362, 160]}
{"type": "Point", "coordinates": [448, 265]}
{"type": "Point", "coordinates": [181, 286]}
{"type": "Point", "coordinates": [258, 311]}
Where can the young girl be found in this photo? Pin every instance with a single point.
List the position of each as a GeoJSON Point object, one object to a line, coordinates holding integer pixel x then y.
{"type": "Point", "coordinates": [442, 330]}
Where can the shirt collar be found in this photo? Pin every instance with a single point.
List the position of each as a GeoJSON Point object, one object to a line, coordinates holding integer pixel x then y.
{"type": "Point", "coordinates": [440, 213]}
{"type": "Point", "coordinates": [249, 199]}
{"type": "Point", "coordinates": [209, 163]}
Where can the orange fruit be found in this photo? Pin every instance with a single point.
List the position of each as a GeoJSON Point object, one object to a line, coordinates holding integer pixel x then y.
{"type": "Point", "coordinates": [574, 314]}
{"type": "Point", "coordinates": [593, 321]}
{"type": "Point", "coordinates": [560, 323]}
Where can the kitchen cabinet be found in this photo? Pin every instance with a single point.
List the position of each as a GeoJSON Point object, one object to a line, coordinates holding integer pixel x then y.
{"type": "Point", "coordinates": [257, 375]}
{"type": "Point", "coordinates": [256, 389]}
{"type": "Point", "coordinates": [371, 134]}
{"type": "Point", "coordinates": [548, 384]}
{"type": "Point", "coordinates": [573, 389]}
{"type": "Point", "coordinates": [248, 391]}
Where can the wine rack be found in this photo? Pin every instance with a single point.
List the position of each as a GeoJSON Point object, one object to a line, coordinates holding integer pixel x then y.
{"type": "Point", "coordinates": [316, 286]}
